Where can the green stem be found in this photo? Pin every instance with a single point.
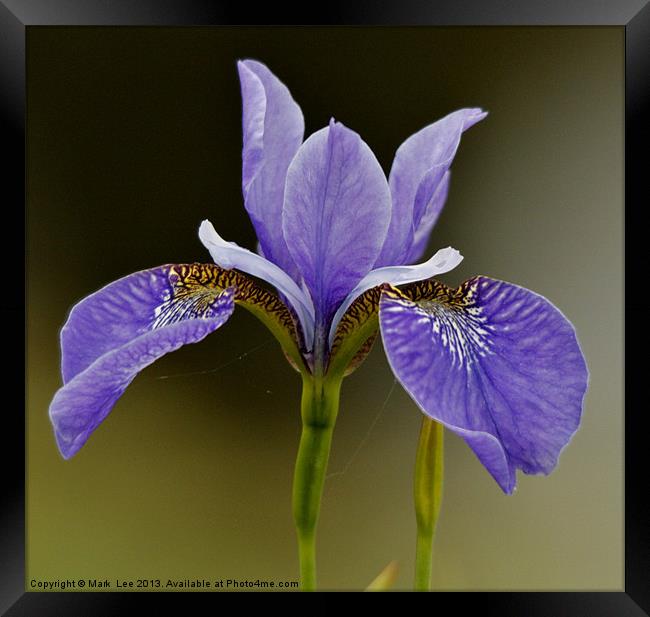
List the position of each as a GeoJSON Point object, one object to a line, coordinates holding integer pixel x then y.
{"type": "Point", "coordinates": [428, 497]}
{"type": "Point", "coordinates": [320, 403]}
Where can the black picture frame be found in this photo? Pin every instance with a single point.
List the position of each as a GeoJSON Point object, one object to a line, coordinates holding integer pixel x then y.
{"type": "Point", "coordinates": [633, 15]}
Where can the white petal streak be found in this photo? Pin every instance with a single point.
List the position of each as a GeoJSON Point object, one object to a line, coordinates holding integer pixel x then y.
{"type": "Point", "coordinates": [443, 261]}
{"type": "Point", "coordinates": [228, 255]}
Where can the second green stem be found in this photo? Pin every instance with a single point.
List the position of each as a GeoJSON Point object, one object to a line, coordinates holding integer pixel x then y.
{"type": "Point", "coordinates": [428, 497]}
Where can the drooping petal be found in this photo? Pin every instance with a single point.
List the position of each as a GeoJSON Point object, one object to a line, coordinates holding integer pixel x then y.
{"type": "Point", "coordinates": [429, 218]}
{"type": "Point", "coordinates": [497, 364]}
{"type": "Point", "coordinates": [418, 169]}
{"type": "Point", "coordinates": [336, 213]}
{"type": "Point", "coordinates": [443, 261]}
{"type": "Point", "coordinates": [229, 255]}
{"type": "Point", "coordinates": [273, 128]}
{"type": "Point", "coordinates": [114, 333]}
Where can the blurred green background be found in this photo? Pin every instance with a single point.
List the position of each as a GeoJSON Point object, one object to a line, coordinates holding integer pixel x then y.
{"type": "Point", "coordinates": [134, 136]}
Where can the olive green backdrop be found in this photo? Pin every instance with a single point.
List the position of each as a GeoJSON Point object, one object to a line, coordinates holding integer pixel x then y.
{"type": "Point", "coordinates": [134, 136]}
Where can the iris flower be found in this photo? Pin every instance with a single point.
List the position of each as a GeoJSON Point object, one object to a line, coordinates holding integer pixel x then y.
{"type": "Point", "coordinates": [497, 364]}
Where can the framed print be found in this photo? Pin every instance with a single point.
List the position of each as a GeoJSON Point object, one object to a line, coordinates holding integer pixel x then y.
{"type": "Point", "coordinates": [138, 126]}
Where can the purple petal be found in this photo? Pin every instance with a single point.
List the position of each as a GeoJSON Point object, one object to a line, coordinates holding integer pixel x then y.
{"type": "Point", "coordinates": [497, 364]}
{"type": "Point", "coordinates": [273, 129]}
{"type": "Point", "coordinates": [114, 333]}
{"type": "Point", "coordinates": [418, 169]}
{"type": "Point", "coordinates": [429, 218]}
{"type": "Point", "coordinates": [336, 213]}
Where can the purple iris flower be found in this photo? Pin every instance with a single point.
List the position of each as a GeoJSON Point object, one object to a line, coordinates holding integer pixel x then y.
{"type": "Point", "coordinates": [495, 363]}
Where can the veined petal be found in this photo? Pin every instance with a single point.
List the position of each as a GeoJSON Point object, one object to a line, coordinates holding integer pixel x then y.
{"type": "Point", "coordinates": [418, 169]}
{"type": "Point", "coordinates": [497, 364]}
{"type": "Point", "coordinates": [429, 218]}
{"type": "Point", "coordinates": [336, 213]}
{"type": "Point", "coordinates": [114, 333]}
{"type": "Point", "coordinates": [443, 261]}
{"type": "Point", "coordinates": [273, 128]}
{"type": "Point", "coordinates": [229, 255]}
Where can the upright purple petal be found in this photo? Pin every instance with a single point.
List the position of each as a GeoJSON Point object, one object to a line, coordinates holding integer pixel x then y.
{"type": "Point", "coordinates": [273, 129]}
{"type": "Point", "coordinates": [418, 170]}
{"type": "Point", "coordinates": [428, 220]}
{"type": "Point", "coordinates": [497, 364]}
{"type": "Point", "coordinates": [336, 213]}
{"type": "Point", "coordinates": [114, 333]}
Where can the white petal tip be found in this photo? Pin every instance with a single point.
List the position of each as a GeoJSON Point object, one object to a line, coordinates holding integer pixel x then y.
{"type": "Point", "coordinates": [448, 257]}
{"type": "Point", "coordinates": [207, 232]}
{"type": "Point", "coordinates": [220, 250]}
